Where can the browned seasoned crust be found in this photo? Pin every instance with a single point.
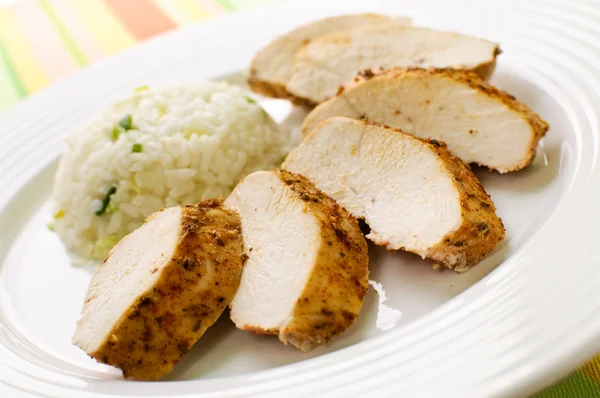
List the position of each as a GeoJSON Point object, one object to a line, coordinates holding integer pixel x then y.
{"type": "Point", "coordinates": [539, 125]}
{"type": "Point", "coordinates": [486, 70]}
{"type": "Point", "coordinates": [333, 296]}
{"type": "Point", "coordinates": [301, 36]}
{"type": "Point", "coordinates": [481, 229]}
{"type": "Point", "coordinates": [275, 90]}
{"type": "Point", "coordinates": [278, 89]}
{"type": "Point", "coordinates": [258, 330]}
{"type": "Point", "coordinates": [483, 71]}
{"type": "Point", "coordinates": [165, 322]}
{"type": "Point", "coordinates": [263, 87]}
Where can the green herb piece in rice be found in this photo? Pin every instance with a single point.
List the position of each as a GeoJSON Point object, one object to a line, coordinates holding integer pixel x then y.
{"type": "Point", "coordinates": [136, 148]}
{"type": "Point", "coordinates": [162, 110]}
{"type": "Point", "coordinates": [106, 201]}
{"type": "Point", "coordinates": [56, 216]}
{"type": "Point", "coordinates": [250, 100]}
{"type": "Point", "coordinates": [126, 122]}
{"type": "Point", "coordinates": [115, 133]}
{"type": "Point", "coordinates": [141, 89]}
{"type": "Point", "coordinates": [110, 208]}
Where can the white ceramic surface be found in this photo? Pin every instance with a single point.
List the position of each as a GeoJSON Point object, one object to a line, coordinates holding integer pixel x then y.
{"type": "Point", "coordinates": [525, 316]}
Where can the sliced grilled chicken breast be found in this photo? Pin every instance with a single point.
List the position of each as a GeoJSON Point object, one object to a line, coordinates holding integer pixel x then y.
{"type": "Point", "coordinates": [479, 123]}
{"type": "Point", "coordinates": [307, 269]}
{"type": "Point", "coordinates": [414, 194]}
{"type": "Point", "coordinates": [272, 66]}
{"type": "Point", "coordinates": [161, 287]}
{"type": "Point", "coordinates": [330, 61]}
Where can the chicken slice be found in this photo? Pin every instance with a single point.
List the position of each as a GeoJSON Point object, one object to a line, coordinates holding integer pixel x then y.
{"type": "Point", "coordinates": [479, 123]}
{"type": "Point", "coordinates": [327, 63]}
{"type": "Point", "coordinates": [161, 287]}
{"type": "Point", "coordinates": [307, 269]}
{"type": "Point", "coordinates": [413, 194]}
{"type": "Point", "coordinates": [271, 68]}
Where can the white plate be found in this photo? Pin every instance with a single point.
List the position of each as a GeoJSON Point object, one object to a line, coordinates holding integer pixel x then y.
{"type": "Point", "coordinates": [504, 333]}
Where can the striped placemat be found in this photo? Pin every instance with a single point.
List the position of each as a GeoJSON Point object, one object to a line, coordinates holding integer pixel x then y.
{"type": "Point", "coordinates": [45, 40]}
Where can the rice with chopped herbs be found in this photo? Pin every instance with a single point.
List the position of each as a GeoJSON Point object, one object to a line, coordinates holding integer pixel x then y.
{"type": "Point", "coordinates": [158, 148]}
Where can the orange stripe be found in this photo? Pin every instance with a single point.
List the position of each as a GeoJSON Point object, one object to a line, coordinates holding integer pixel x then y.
{"type": "Point", "coordinates": [142, 17]}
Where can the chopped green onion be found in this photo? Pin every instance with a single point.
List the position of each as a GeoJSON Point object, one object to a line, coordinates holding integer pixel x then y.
{"type": "Point", "coordinates": [141, 89]}
{"type": "Point", "coordinates": [110, 208]}
{"type": "Point", "coordinates": [122, 127]}
{"type": "Point", "coordinates": [115, 133]}
{"type": "Point", "coordinates": [136, 148]}
{"type": "Point", "coordinates": [106, 201]}
{"type": "Point", "coordinates": [59, 214]}
{"type": "Point", "coordinates": [126, 122]}
{"type": "Point", "coordinates": [162, 110]}
{"type": "Point", "coordinates": [250, 100]}
{"type": "Point", "coordinates": [50, 226]}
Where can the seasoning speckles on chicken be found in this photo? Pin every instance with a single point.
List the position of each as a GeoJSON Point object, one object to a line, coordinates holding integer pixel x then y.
{"type": "Point", "coordinates": [414, 194]}
{"type": "Point", "coordinates": [272, 66]}
{"type": "Point", "coordinates": [480, 123]}
{"type": "Point", "coordinates": [307, 269]}
{"type": "Point", "coordinates": [161, 287]}
{"type": "Point", "coordinates": [330, 61]}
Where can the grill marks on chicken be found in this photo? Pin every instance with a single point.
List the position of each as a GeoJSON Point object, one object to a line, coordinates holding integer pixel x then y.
{"type": "Point", "coordinates": [307, 269]}
{"type": "Point", "coordinates": [328, 62]}
{"type": "Point", "coordinates": [414, 194]}
{"type": "Point", "coordinates": [161, 287]}
{"type": "Point", "coordinates": [480, 123]}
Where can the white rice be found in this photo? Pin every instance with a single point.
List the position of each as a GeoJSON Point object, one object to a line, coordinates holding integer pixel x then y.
{"type": "Point", "coordinates": [196, 142]}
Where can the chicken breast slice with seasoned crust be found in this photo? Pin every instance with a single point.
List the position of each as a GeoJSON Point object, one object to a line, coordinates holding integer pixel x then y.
{"type": "Point", "coordinates": [271, 68]}
{"type": "Point", "coordinates": [161, 287]}
{"type": "Point", "coordinates": [413, 194]}
{"type": "Point", "coordinates": [307, 269]}
{"type": "Point", "coordinates": [330, 61]}
{"type": "Point", "coordinates": [480, 123]}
